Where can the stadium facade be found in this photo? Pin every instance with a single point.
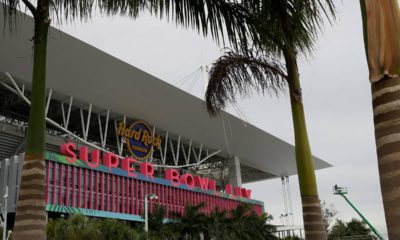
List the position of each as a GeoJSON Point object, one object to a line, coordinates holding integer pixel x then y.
{"type": "Point", "coordinates": [116, 135]}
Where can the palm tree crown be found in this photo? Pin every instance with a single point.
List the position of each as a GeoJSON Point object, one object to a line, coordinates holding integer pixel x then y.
{"type": "Point", "coordinates": [279, 28]}
{"type": "Point", "coordinates": [291, 25]}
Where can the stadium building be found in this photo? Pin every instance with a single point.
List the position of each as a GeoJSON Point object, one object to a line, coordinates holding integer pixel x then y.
{"type": "Point", "coordinates": [116, 135]}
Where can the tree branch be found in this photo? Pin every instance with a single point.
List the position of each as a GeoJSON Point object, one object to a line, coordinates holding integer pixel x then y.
{"type": "Point", "coordinates": [31, 8]}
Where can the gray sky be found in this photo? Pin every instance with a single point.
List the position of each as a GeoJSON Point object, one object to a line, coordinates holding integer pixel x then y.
{"type": "Point", "coordinates": [336, 91]}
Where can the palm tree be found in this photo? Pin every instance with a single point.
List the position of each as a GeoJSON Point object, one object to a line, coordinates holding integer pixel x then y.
{"type": "Point", "coordinates": [75, 227]}
{"type": "Point", "coordinates": [192, 223]}
{"type": "Point", "coordinates": [239, 219]}
{"type": "Point", "coordinates": [381, 20]}
{"type": "Point", "coordinates": [261, 226]}
{"type": "Point", "coordinates": [246, 224]}
{"type": "Point", "coordinates": [214, 17]}
{"type": "Point", "coordinates": [158, 228]}
{"type": "Point", "coordinates": [218, 225]}
{"type": "Point", "coordinates": [283, 29]}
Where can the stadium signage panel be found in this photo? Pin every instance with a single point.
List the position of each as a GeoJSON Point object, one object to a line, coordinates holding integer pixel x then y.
{"type": "Point", "coordinates": [140, 140]}
{"type": "Point", "coordinates": [111, 160]}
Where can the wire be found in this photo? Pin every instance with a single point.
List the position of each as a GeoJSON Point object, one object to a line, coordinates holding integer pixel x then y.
{"type": "Point", "coordinates": [284, 198]}
{"type": "Point", "coordinates": [241, 115]}
{"type": "Point", "coordinates": [290, 200]}
{"type": "Point", "coordinates": [187, 77]}
{"type": "Point", "coordinates": [225, 136]}
{"type": "Point", "coordinates": [193, 82]}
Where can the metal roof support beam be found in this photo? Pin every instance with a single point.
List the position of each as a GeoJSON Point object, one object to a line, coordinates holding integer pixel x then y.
{"type": "Point", "coordinates": [85, 129]}
{"type": "Point", "coordinates": [66, 118]}
{"type": "Point", "coordinates": [193, 164]}
{"type": "Point", "coordinates": [197, 157]}
{"type": "Point", "coordinates": [190, 146]}
{"type": "Point", "coordinates": [9, 88]}
{"type": "Point", "coordinates": [103, 135]}
{"type": "Point", "coordinates": [152, 150]}
{"type": "Point", "coordinates": [121, 140]}
{"type": "Point", "coordinates": [177, 150]}
{"type": "Point", "coordinates": [48, 101]}
{"type": "Point", "coordinates": [173, 151]}
{"type": "Point", "coordinates": [164, 155]}
{"type": "Point", "coordinates": [187, 156]}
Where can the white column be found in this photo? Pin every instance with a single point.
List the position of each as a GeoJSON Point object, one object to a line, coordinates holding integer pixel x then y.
{"type": "Point", "coordinates": [146, 214]}
{"type": "Point", "coordinates": [234, 174]}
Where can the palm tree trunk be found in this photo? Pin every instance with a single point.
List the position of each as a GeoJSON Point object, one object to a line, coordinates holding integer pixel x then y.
{"type": "Point", "coordinates": [314, 227]}
{"type": "Point", "coordinates": [386, 105]}
{"type": "Point", "coordinates": [30, 222]}
{"type": "Point", "coordinates": [381, 25]}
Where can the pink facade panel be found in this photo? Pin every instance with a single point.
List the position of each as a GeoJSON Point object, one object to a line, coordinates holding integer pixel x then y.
{"type": "Point", "coordinates": [112, 193]}
{"type": "Point", "coordinates": [53, 200]}
{"type": "Point", "coordinates": [122, 195]}
{"type": "Point", "coordinates": [66, 185]}
{"type": "Point", "coordinates": [108, 192]}
{"type": "Point", "coordinates": [91, 189]}
{"type": "Point", "coordinates": [60, 186]}
{"type": "Point", "coordinates": [132, 197]}
{"type": "Point", "coordinates": [79, 188]}
{"type": "Point", "coordinates": [117, 190]}
{"type": "Point", "coordinates": [84, 188]}
{"type": "Point", "coordinates": [73, 189]}
{"type": "Point", "coordinates": [102, 183]}
{"type": "Point", "coordinates": [127, 195]}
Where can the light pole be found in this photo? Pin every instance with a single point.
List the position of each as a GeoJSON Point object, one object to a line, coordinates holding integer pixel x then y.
{"type": "Point", "coordinates": [146, 214]}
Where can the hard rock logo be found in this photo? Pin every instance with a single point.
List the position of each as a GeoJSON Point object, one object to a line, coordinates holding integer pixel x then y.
{"type": "Point", "coordinates": [139, 139]}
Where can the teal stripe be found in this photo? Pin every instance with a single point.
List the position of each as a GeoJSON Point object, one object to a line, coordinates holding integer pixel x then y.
{"type": "Point", "coordinates": [93, 213]}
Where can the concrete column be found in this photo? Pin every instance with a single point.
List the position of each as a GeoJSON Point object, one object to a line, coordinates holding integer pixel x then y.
{"type": "Point", "coordinates": [234, 174]}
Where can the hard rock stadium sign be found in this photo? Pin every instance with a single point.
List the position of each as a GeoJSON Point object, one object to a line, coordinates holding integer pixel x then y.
{"type": "Point", "coordinates": [111, 160]}
{"type": "Point", "coordinates": [139, 139]}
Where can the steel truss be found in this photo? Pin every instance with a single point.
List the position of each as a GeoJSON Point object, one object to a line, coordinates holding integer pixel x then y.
{"type": "Point", "coordinates": [185, 151]}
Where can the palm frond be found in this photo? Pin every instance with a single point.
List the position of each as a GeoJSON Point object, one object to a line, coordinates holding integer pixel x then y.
{"type": "Point", "coordinates": [289, 24]}
{"type": "Point", "coordinates": [234, 74]}
{"type": "Point", "coordinates": [218, 18]}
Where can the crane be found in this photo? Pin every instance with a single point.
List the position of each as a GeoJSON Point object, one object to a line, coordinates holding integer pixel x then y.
{"type": "Point", "coordinates": [342, 191]}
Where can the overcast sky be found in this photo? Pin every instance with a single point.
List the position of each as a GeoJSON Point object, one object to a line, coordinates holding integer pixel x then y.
{"type": "Point", "coordinates": [336, 92]}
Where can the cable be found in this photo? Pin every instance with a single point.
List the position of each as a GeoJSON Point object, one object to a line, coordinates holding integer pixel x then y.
{"type": "Point", "coordinates": [193, 82]}
{"type": "Point", "coordinates": [226, 138]}
{"type": "Point", "coordinates": [290, 199]}
{"type": "Point", "coordinates": [285, 198]}
{"type": "Point", "coordinates": [185, 78]}
{"type": "Point", "coordinates": [240, 115]}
